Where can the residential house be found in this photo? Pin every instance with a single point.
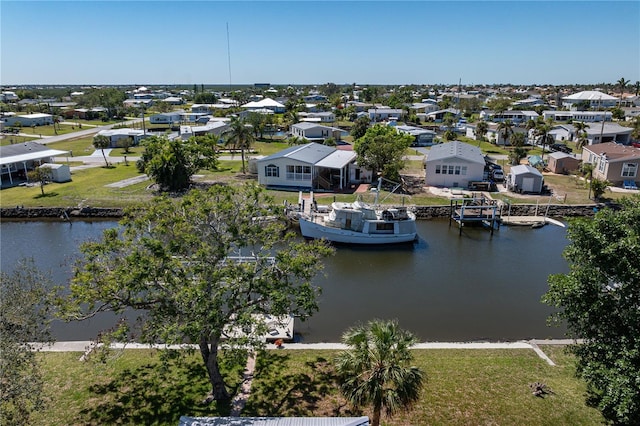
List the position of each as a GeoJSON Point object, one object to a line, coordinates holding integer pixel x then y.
{"type": "Point", "coordinates": [324, 116]}
{"type": "Point", "coordinates": [173, 100]}
{"type": "Point", "coordinates": [208, 108]}
{"type": "Point", "coordinates": [424, 107]}
{"type": "Point", "coordinates": [524, 178]}
{"type": "Point", "coordinates": [359, 106]}
{"type": "Point", "coordinates": [608, 132]}
{"type": "Point", "coordinates": [166, 117]}
{"type": "Point", "coordinates": [493, 134]}
{"type": "Point", "coordinates": [585, 116]}
{"type": "Point", "coordinates": [18, 159]}
{"type": "Point", "coordinates": [311, 167]}
{"type": "Point", "coordinates": [212, 127]}
{"type": "Point", "coordinates": [268, 103]}
{"type": "Point", "coordinates": [614, 162]}
{"type": "Point", "coordinates": [28, 120]}
{"type": "Point", "coordinates": [563, 163]}
{"type": "Point", "coordinates": [315, 98]}
{"type": "Point", "coordinates": [529, 102]}
{"type": "Point", "coordinates": [516, 117]}
{"type": "Point", "coordinates": [381, 114]}
{"type": "Point", "coordinates": [594, 98]}
{"type": "Point", "coordinates": [454, 165]}
{"type": "Point", "coordinates": [439, 115]}
{"type": "Point", "coordinates": [315, 132]}
{"type": "Point", "coordinates": [117, 136]}
{"type": "Point", "coordinates": [422, 137]}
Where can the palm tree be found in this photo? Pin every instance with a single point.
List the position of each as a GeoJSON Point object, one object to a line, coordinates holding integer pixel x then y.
{"type": "Point", "coordinates": [101, 142]}
{"type": "Point", "coordinates": [622, 83]}
{"type": "Point", "coordinates": [581, 133]}
{"type": "Point", "coordinates": [637, 88]}
{"type": "Point", "coordinates": [375, 370]}
{"type": "Point", "coordinates": [239, 136]}
{"type": "Point", "coordinates": [542, 130]}
{"type": "Point", "coordinates": [505, 128]}
{"type": "Point", "coordinates": [481, 129]}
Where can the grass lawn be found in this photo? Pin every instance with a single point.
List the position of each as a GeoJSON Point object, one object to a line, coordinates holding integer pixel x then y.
{"type": "Point", "coordinates": [463, 387]}
{"type": "Point", "coordinates": [87, 187]}
{"type": "Point", "coordinates": [7, 139]}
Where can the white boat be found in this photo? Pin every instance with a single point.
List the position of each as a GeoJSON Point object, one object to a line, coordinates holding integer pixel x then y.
{"type": "Point", "coordinates": [358, 222]}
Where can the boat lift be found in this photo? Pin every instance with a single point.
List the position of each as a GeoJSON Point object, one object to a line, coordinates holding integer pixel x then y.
{"type": "Point", "coordinates": [474, 210]}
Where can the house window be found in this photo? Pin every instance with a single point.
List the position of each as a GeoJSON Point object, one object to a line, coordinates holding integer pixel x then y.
{"type": "Point", "coordinates": [272, 170]}
{"type": "Point", "coordinates": [629, 170]}
{"type": "Point", "coordinates": [438, 169]}
{"type": "Point", "coordinates": [298, 172]}
{"type": "Point", "coordinates": [451, 168]}
{"type": "Point", "coordinates": [601, 164]}
{"type": "Point", "coordinates": [464, 170]}
{"type": "Point", "coordinates": [457, 170]}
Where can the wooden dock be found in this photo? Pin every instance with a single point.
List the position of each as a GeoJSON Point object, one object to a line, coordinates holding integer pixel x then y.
{"type": "Point", "coordinates": [482, 210]}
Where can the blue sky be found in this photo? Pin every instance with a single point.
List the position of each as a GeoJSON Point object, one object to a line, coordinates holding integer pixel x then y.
{"type": "Point", "coordinates": [302, 42]}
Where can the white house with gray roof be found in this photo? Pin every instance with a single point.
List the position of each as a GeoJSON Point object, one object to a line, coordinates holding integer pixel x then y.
{"type": "Point", "coordinates": [454, 165]}
{"type": "Point", "coordinates": [584, 116]}
{"type": "Point", "coordinates": [309, 167]}
{"type": "Point", "coordinates": [594, 98]}
{"type": "Point", "coordinates": [315, 132]}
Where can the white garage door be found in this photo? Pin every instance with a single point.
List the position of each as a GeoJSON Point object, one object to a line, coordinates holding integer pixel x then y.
{"type": "Point", "coordinates": [527, 184]}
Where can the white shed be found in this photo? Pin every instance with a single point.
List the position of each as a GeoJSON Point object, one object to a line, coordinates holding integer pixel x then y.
{"type": "Point", "coordinates": [59, 172]}
{"type": "Point", "coordinates": [524, 178]}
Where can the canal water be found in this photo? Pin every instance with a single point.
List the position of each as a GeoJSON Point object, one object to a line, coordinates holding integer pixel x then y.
{"type": "Point", "coordinates": [445, 287]}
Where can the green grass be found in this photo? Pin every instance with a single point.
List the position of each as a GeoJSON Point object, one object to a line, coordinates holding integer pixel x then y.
{"type": "Point", "coordinates": [13, 139]}
{"type": "Point", "coordinates": [87, 186]}
{"type": "Point", "coordinates": [463, 387]}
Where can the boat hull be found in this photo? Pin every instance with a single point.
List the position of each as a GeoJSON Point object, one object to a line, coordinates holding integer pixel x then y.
{"type": "Point", "coordinates": [313, 230]}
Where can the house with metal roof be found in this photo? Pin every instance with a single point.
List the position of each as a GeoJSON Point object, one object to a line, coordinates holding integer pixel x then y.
{"type": "Point", "coordinates": [316, 132]}
{"type": "Point", "coordinates": [380, 114]}
{"type": "Point", "coordinates": [268, 103]}
{"type": "Point", "coordinates": [516, 116]}
{"type": "Point", "coordinates": [614, 162]}
{"type": "Point", "coordinates": [116, 136]}
{"type": "Point", "coordinates": [28, 120]}
{"type": "Point", "coordinates": [18, 159]}
{"type": "Point", "coordinates": [584, 116]}
{"type": "Point", "coordinates": [421, 137]}
{"type": "Point", "coordinates": [608, 132]}
{"type": "Point", "coordinates": [310, 167]}
{"type": "Point", "coordinates": [594, 98]}
{"type": "Point", "coordinates": [454, 165]}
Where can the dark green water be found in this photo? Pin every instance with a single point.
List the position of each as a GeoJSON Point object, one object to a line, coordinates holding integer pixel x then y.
{"type": "Point", "coordinates": [445, 287]}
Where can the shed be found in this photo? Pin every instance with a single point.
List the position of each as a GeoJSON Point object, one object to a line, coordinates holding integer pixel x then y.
{"type": "Point", "coordinates": [561, 162]}
{"type": "Point", "coordinates": [524, 178]}
{"type": "Point", "coordinates": [59, 172]}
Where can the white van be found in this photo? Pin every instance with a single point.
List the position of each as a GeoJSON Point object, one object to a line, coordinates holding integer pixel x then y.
{"type": "Point", "coordinates": [497, 175]}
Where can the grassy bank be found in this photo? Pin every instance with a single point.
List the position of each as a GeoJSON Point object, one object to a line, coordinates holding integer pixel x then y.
{"type": "Point", "coordinates": [464, 387]}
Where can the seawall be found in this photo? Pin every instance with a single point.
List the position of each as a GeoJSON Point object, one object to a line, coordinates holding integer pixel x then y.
{"type": "Point", "coordinates": [422, 212]}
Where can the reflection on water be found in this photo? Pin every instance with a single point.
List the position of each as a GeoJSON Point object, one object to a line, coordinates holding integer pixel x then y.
{"type": "Point", "coordinates": [444, 287]}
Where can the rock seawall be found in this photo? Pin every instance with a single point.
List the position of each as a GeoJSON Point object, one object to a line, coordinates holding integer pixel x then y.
{"type": "Point", "coordinates": [555, 210]}
{"type": "Point", "coordinates": [60, 212]}
{"type": "Point", "coordinates": [422, 212]}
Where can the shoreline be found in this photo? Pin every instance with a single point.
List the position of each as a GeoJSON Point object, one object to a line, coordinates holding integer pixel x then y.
{"type": "Point", "coordinates": [422, 212]}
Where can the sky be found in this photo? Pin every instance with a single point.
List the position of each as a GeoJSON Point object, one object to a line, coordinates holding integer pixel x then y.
{"type": "Point", "coordinates": [316, 42]}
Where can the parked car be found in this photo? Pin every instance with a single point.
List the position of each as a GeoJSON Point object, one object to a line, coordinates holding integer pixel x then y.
{"type": "Point", "coordinates": [560, 147]}
{"type": "Point", "coordinates": [497, 175]}
{"type": "Point", "coordinates": [635, 144]}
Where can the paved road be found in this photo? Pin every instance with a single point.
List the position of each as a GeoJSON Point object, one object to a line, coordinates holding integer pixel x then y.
{"type": "Point", "coordinates": [83, 133]}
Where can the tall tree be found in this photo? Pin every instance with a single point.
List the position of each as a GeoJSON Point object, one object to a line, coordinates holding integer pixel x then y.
{"type": "Point", "coordinates": [542, 131]}
{"type": "Point", "coordinates": [176, 262]}
{"type": "Point", "coordinates": [481, 129]}
{"type": "Point", "coordinates": [171, 163]}
{"type": "Point", "coordinates": [505, 128]}
{"type": "Point", "coordinates": [360, 127]}
{"type": "Point", "coordinates": [102, 142]}
{"type": "Point", "coordinates": [622, 83]}
{"type": "Point", "coordinates": [375, 371]}
{"type": "Point", "coordinates": [239, 136]}
{"type": "Point", "coordinates": [381, 149]}
{"type": "Point", "coordinates": [41, 175]}
{"type": "Point", "coordinates": [581, 134]}
{"type": "Point", "coordinates": [600, 301]}
{"type": "Point", "coordinates": [25, 313]}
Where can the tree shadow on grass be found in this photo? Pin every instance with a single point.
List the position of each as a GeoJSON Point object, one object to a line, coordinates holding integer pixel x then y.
{"type": "Point", "coordinates": [46, 195]}
{"type": "Point", "coordinates": [154, 393]}
{"type": "Point", "coordinates": [277, 391]}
